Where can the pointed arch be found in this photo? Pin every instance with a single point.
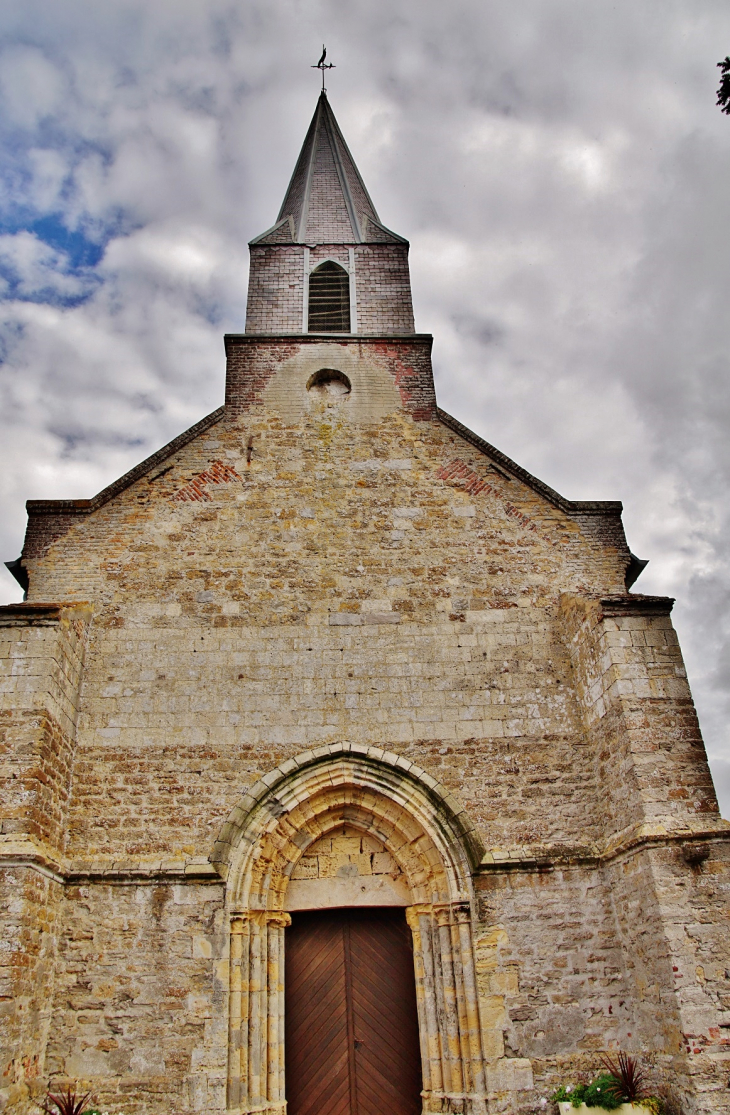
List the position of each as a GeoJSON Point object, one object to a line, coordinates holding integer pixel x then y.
{"type": "Point", "coordinates": [379, 791]}
{"type": "Point", "coordinates": [329, 299]}
{"type": "Point", "coordinates": [429, 834]}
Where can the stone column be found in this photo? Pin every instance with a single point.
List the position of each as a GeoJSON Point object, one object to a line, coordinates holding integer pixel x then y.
{"type": "Point", "coordinates": [473, 1031]}
{"type": "Point", "coordinates": [419, 919]}
{"type": "Point", "coordinates": [256, 1025]}
{"type": "Point", "coordinates": [448, 1009]}
{"type": "Point", "coordinates": [256, 1011]}
{"type": "Point", "coordinates": [238, 1013]}
{"type": "Point", "coordinates": [451, 1042]}
{"type": "Point", "coordinates": [275, 1007]}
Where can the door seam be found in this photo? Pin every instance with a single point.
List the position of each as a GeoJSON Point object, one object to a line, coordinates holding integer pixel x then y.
{"type": "Point", "coordinates": [350, 1017]}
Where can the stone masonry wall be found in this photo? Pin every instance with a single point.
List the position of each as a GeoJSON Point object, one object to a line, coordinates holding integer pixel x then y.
{"type": "Point", "coordinates": [574, 959]}
{"type": "Point", "coordinates": [140, 1008]}
{"type": "Point", "coordinates": [29, 904]}
{"type": "Point", "coordinates": [387, 376]}
{"type": "Point", "coordinates": [361, 562]}
{"type": "Point", "coordinates": [552, 970]}
{"type": "Point", "coordinates": [633, 689]}
{"type": "Point", "coordinates": [639, 715]}
{"type": "Point", "coordinates": [315, 569]}
{"type": "Point", "coordinates": [41, 659]}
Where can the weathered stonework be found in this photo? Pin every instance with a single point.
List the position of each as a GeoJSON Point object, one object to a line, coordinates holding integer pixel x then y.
{"type": "Point", "coordinates": [346, 868]}
{"type": "Point", "coordinates": [332, 649]}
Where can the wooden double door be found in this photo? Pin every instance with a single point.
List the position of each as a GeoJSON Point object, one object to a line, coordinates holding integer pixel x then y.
{"type": "Point", "coordinates": [351, 1037]}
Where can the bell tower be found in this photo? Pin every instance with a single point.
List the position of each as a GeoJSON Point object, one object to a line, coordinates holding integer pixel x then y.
{"type": "Point", "coordinates": [328, 265]}
{"type": "Point", "coordinates": [329, 287]}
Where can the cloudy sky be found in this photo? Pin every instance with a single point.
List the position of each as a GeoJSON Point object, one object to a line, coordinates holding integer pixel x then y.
{"type": "Point", "coordinates": [561, 171]}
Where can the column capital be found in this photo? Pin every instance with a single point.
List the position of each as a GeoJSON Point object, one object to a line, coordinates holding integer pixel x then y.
{"type": "Point", "coordinates": [413, 913]}
{"type": "Point", "coordinates": [240, 918]}
{"type": "Point", "coordinates": [445, 913]}
{"type": "Point", "coordinates": [278, 917]}
{"type": "Point", "coordinates": [452, 913]}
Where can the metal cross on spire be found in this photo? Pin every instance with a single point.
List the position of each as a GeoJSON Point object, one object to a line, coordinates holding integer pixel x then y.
{"type": "Point", "coordinates": [322, 65]}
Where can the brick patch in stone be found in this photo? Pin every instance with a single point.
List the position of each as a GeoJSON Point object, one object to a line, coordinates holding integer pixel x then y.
{"type": "Point", "coordinates": [218, 473]}
{"type": "Point", "coordinates": [459, 475]}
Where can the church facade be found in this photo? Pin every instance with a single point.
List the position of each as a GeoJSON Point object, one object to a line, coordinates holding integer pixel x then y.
{"type": "Point", "coordinates": [341, 771]}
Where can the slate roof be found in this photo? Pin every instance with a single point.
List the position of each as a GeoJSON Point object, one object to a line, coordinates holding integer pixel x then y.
{"type": "Point", "coordinates": [327, 202]}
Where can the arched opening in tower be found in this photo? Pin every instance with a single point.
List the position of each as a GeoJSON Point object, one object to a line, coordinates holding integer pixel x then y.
{"type": "Point", "coordinates": [329, 299]}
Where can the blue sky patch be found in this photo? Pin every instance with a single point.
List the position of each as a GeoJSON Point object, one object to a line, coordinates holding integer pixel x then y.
{"type": "Point", "coordinates": [81, 252]}
{"type": "Point", "coordinates": [56, 267]}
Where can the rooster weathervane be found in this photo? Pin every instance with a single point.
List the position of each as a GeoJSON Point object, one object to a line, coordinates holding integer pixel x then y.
{"type": "Point", "coordinates": [322, 65]}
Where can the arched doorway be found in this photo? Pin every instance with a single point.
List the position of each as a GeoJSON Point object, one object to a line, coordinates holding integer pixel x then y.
{"type": "Point", "coordinates": [431, 840]}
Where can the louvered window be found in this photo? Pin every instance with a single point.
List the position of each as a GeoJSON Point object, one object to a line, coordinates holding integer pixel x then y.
{"type": "Point", "coordinates": [329, 299]}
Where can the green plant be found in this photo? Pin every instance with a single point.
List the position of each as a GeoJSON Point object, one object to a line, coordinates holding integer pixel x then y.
{"type": "Point", "coordinates": [655, 1104]}
{"type": "Point", "coordinates": [723, 93]}
{"type": "Point", "coordinates": [599, 1093]}
{"type": "Point", "coordinates": [624, 1082]}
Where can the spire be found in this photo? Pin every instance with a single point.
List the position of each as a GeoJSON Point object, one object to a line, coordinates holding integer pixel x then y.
{"type": "Point", "coordinates": [326, 202]}
{"type": "Point", "coordinates": [328, 265]}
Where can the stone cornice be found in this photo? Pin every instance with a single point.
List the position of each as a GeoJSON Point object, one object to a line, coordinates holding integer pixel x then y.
{"type": "Point", "coordinates": [328, 338]}
{"type": "Point", "coordinates": [510, 469]}
{"type": "Point", "coordinates": [32, 614]}
{"type": "Point", "coordinates": [30, 852]}
{"type": "Point", "coordinates": [634, 604]}
{"type": "Point", "coordinates": [22, 850]}
{"type": "Point", "coordinates": [548, 857]}
{"type": "Point", "coordinates": [142, 872]}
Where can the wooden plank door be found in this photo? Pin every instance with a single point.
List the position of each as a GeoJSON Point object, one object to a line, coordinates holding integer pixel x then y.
{"type": "Point", "coordinates": [317, 1077]}
{"type": "Point", "coordinates": [385, 1022]}
{"type": "Point", "coordinates": [351, 1027]}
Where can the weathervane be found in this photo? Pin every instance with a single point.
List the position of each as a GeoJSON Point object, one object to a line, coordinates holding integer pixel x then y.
{"type": "Point", "coordinates": [322, 65]}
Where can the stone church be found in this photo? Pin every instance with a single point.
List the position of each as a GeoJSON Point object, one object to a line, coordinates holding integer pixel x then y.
{"type": "Point", "coordinates": [341, 770]}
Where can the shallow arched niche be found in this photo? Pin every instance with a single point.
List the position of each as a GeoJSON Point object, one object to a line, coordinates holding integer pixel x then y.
{"type": "Point", "coordinates": [432, 840]}
{"type": "Point", "coordinates": [373, 391]}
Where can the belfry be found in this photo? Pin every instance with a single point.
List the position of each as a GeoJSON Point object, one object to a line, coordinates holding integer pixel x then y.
{"type": "Point", "coordinates": [328, 265]}
{"type": "Point", "coordinates": [342, 771]}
